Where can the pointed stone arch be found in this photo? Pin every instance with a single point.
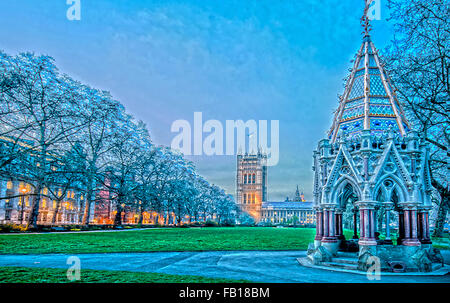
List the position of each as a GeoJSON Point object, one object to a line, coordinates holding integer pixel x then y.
{"type": "Point", "coordinates": [381, 194]}
{"type": "Point", "coordinates": [396, 184]}
{"type": "Point", "coordinates": [341, 183]}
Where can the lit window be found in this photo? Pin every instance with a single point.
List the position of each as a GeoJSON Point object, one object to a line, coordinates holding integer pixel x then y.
{"type": "Point", "coordinates": [9, 185]}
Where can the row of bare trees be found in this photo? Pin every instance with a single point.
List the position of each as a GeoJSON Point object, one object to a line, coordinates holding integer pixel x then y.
{"type": "Point", "coordinates": [59, 134]}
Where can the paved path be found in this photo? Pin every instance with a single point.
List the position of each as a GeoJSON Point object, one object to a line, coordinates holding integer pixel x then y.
{"type": "Point", "coordinates": [257, 266]}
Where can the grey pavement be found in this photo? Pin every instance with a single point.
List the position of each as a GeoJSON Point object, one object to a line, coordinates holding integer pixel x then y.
{"type": "Point", "coordinates": [256, 266]}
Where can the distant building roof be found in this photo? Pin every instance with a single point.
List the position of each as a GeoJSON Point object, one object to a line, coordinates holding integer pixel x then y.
{"type": "Point", "coordinates": [287, 204]}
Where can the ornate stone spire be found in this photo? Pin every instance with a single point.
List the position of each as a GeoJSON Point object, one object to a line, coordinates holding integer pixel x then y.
{"type": "Point", "coordinates": [297, 195]}
{"type": "Point", "coordinates": [369, 101]}
{"type": "Point", "coordinates": [365, 21]}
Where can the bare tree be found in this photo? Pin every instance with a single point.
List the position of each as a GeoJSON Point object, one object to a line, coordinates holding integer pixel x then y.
{"type": "Point", "coordinates": [43, 101]}
{"type": "Point", "coordinates": [418, 59]}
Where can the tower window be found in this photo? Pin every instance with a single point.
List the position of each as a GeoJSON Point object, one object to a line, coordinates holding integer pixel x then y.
{"type": "Point", "coordinates": [245, 178]}
{"type": "Point", "coordinates": [254, 178]}
{"type": "Point", "coordinates": [245, 198]}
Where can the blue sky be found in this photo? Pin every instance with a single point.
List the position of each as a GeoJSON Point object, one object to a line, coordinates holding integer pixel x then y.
{"type": "Point", "coordinates": [164, 60]}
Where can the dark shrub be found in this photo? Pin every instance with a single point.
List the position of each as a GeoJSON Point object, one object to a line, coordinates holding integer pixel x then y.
{"type": "Point", "coordinates": [210, 224]}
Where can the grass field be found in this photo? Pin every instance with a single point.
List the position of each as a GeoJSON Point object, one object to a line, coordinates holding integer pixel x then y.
{"type": "Point", "coordinates": [165, 239]}
{"type": "Point", "coordinates": [53, 275]}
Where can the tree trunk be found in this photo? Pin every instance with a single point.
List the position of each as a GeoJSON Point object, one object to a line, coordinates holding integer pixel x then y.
{"type": "Point", "coordinates": [32, 220]}
{"type": "Point", "coordinates": [118, 217]}
{"type": "Point", "coordinates": [56, 211]}
{"type": "Point", "coordinates": [89, 199]}
{"type": "Point", "coordinates": [141, 217]}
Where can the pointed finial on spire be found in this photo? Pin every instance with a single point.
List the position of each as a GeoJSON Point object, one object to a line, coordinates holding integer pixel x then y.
{"type": "Point", "coordinates": [365, 21]}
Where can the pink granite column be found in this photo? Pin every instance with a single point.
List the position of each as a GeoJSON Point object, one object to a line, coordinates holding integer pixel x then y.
{"type": "Point", "coordinates": [406, 218]}
{"type": "Point", "coordinates": [319, 225]}
{"type": "Point", "coordinates": [362, 234]}
{"type": "Point", "coordinates": [339, 229]}
{"type": "Point", "coordinates": [325, 223]}
{"type": "Point", "coordinates": [332, 217]}
{"type": "Point", "coordinates": [414, 224]}
{"type": "Point", "coordinates": [366, 224]}
{"type": "Point", "coordinates": [372, 223]}
{"type": "Point", "coordinates": [368, 232]}
{"type": "Point", "coordinates": [330, 226]}
{"type": "Point", "coordinates": [419, 225]}
{"type": "Point", "coordinates": [411, 227]}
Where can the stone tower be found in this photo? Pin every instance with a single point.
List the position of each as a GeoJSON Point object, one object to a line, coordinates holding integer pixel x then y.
{"type": "Point", "coordinates": [251, 183]}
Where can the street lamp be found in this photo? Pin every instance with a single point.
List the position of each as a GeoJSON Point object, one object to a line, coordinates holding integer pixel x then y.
{"type": "Point", "coordinates": [23, 191]}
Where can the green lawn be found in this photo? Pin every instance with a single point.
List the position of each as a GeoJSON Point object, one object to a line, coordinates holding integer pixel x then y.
{"type": "Point", "coordinates": [53, 275]}
{"type": "Point", "coordinates": [441, 243]}
{"type": "Point", "coordinates": [166, 239]}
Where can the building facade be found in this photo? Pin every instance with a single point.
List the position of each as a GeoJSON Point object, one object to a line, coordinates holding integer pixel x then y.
{"type": "Point", "coordinates": [16, 208]}
{"type": "Point", "coordinates": [288, 213]}
{"type": "Point", "coordinates": [251, 195]}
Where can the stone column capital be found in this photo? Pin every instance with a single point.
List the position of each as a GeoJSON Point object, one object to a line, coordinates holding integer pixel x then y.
{"type": "Point", "coordinates": [365, 204]}
{"type": "Point", "coordinates": [409, 206]}
{"type": "Point", "coordinates": [424, 208]}
{"type": "Point", "coordinates": [329, 206]}
{"type": "Point", "coordinates": [388, 205]}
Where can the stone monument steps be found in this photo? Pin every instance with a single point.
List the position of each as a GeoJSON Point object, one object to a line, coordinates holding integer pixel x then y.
{"type": "Point", "coordinates": [353, 261]}
{"type": "Point", "coordinates": [340, 265]}
{"type": "Point", "coordinates": [436, 266]}
{"type": "Point", "coordinates": [347, 254]}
